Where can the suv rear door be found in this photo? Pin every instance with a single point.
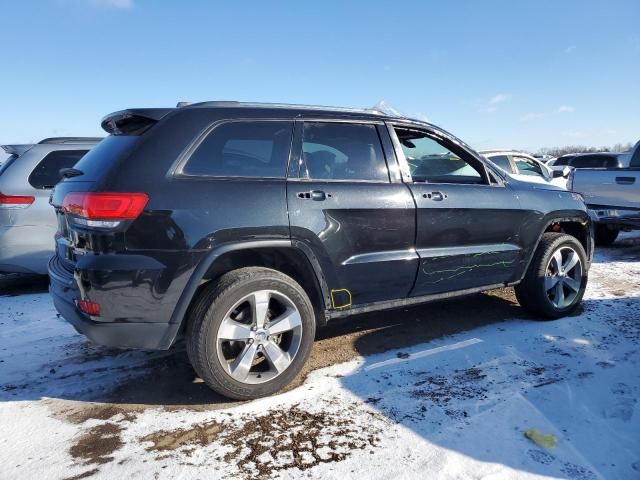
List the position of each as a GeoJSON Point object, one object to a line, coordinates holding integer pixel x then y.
{"type": "Point", "coordinates": [467, 225]}
{"type": "Point", "coordinates": [343, 205]}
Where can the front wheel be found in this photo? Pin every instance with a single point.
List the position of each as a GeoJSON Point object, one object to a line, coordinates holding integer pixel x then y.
{"type": "Point", "coordinates": [250, 332]}
{"type": "Point", "coordinates": [556, 278]}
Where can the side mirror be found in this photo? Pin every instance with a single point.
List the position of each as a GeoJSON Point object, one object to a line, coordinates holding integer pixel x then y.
{"type": "Point", "coordinates": [566, 171]}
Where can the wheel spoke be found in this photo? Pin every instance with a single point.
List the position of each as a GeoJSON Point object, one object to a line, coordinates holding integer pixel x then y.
{"type": "Point", "coordinates": [289, 320]}
{"type": "Point", "coordinates": [557, 261]}
{"type": "Point", "coordinates": [550, 282]}
{"type": "Point", "coordinates": [242, 365]}
{"type": "Point", "coordinates": [232, 330]}
{"type": "Point", "coordinates": [559, 298]}
{"type": "Point", "coordinates": [260, 306]}
{"type": "Point", "coordinates": [572, 283]}
{"type": "Point", "coordinates": [572, 261]}
{"type": "Point", "coordinates": [279, 359]}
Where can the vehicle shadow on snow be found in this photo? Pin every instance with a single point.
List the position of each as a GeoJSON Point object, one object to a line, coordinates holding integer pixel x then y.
{"type": "Point", "coordinates": [167, 379]}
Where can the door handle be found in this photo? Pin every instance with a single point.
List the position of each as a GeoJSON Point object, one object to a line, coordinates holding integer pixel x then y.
{"type": "Point", "coordinates": [435, 196]}
{"type": "Point", "coordinates": [626, 180]}
{"type": "Point", "coordinates": [317, 195]}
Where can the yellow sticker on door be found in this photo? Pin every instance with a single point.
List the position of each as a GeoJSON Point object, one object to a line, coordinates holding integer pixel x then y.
{"type": "Point", "coordinates": [340, 298]}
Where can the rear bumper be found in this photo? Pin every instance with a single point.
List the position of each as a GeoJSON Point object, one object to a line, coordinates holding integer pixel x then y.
{"type": "Point", "coordinates": [115, 333]}
{"type": "Point", "coordinates": [25, 249]}
{"type": "Point", "coordinates": [620, 218]}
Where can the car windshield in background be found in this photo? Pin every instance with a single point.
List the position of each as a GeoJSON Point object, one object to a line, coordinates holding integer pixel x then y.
{"type": "Point", "coordinates": [526, 166]}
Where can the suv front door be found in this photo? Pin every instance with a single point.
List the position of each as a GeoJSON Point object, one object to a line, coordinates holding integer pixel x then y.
{"type": "Point", "coordinates": [467, 225]}
{"type": "Point", "coordinates": [343, 206]}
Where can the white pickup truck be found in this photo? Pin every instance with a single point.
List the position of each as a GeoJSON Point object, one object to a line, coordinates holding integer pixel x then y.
{"type": "Point", "coordinates": [613, 194]}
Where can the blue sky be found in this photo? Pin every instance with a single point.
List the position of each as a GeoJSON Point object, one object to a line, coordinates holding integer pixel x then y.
{"type": "Point", "coordinates": [495, 73]}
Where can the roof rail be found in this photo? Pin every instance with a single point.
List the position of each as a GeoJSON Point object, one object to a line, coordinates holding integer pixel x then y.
{"type": "Point", "coordinates": [233, 103]}
{"type": "Point", "coordinates": [59, 140]}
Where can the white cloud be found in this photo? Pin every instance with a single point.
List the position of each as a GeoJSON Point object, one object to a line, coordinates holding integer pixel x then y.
{"type": "Point", "coordinates": [499, 98]}
{"type": "Point", "coordinates": [532, 116]}
{"type": "Point", "coordinates": [112, 3]}
{"type": "Point", "coordinates": [570, 49]}
{"type": "Point", "coordinates": [491, 105]}
{"type": "Point", "coordinates": [574, 134]}
{"type": "Point", "coordinates": [565, 109]}
{"type": "Point", "coordinates": [538, 115]}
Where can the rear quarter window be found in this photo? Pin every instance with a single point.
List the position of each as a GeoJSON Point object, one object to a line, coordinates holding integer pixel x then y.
{"type": "Point", "coordinates": [257, 148]}
{"type": "Point", "coordinates": [47, 172]}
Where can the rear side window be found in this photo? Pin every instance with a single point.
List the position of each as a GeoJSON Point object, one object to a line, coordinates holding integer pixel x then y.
{"type": "Point", "coordinates": [343, 151]}
{"type": "Point", "coordinates": [243, 149]}
{"type": "Point", "coordinates": [47, 172]}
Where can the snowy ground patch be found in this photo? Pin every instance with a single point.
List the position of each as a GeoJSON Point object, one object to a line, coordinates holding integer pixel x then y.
{"type": "Point", "coordinates": [456, 406]}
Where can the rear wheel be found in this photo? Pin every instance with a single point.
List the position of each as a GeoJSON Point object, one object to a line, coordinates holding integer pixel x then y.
{"type": "Point", "coordinates": [250, 332]}
{"type": "Point", "coordinates": [605, 236]}
{"type": "Point", "coordinates": [556, 279]}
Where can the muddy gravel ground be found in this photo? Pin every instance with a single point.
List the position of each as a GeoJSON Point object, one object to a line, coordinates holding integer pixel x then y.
{"type": "Point", "coordinates": [102, 401]}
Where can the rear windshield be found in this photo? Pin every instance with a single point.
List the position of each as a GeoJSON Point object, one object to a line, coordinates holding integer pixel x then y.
{"type": "Point", "coordinates": [593, 161]}
{"type": "Point", "coordinates": [4, 166]}
{"type": "Point", "coordinates": [109, 151]}
{"type": "Point", "coordinates": [47, 173]}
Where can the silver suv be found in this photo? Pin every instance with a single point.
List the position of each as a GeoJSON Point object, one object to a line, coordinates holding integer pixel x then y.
{"type": "Point", "coordinates": [27, 221]}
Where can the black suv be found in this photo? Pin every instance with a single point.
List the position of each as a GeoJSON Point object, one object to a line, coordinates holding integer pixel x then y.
{"type": "Point", "coordinates": [244, 227]}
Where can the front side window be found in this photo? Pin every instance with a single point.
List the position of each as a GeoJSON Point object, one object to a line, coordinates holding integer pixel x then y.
{"type": "Point", "coordinates": [47, 173]}
{"type": "Point", "coordinates": [243, 149]}
{"type": "Point", "coordinates": [526, 166]}
{"type": "Point", "coordinates": [343, 151]}
{"type": "Point", "coordinates": [430, 161]}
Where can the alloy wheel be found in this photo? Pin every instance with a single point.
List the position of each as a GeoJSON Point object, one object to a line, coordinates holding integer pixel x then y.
{"type": "Point", "coordinates": [259, 337]}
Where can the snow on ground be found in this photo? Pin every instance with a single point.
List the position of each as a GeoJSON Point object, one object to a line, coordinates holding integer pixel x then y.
{"type": "Point", "coordinates": [455, 407]}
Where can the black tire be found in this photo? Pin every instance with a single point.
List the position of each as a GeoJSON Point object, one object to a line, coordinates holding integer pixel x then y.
{"type": "Point", "coordinates": [214, 303]}
{"type": "Point", "coordinates": [531, 293]}
{"type": "Point", "coordinates": [605, 236]}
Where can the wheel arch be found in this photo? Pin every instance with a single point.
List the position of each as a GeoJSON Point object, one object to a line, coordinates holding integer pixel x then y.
{"type": "Point", "coordinates": [578, 226]}
{"type": "Point", "coordinates": [285, 256]}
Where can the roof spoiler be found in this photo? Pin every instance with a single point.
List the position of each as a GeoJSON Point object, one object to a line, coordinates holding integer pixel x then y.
{"type": "Point", "coordinates": [66, 140]}
{"type": "Point", "coordinates": [16, 149]}
{"type": "Point", "coordinates": [134, 121]}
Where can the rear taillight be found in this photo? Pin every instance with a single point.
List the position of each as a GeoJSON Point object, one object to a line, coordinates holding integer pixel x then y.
{"type": "Point", "coordinates": [15, 201]}
{"type": "Point", "coordinates": [89, 307]}
{"type": "Point", "coordinates": [102, 209]}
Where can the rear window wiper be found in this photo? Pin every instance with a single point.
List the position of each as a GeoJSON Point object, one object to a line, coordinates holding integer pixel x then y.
{"type": "Point", "coordinates": [70, 172]}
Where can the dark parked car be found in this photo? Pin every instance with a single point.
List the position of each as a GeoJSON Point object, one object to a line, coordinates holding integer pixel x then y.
{"type": "Point", "coordinates": [244, 227]}
{"type": "Point", "coordinates": [588, 160]}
